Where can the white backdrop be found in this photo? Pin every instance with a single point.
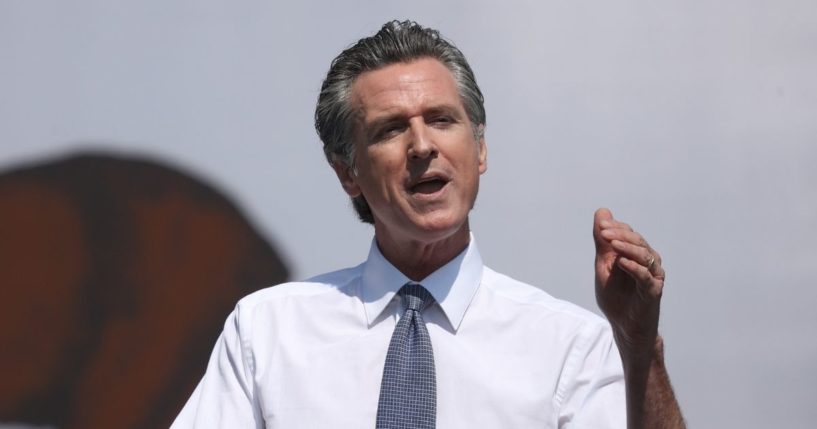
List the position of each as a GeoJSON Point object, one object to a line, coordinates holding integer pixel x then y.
{"type": "Point", "coordinates": [695, 121]}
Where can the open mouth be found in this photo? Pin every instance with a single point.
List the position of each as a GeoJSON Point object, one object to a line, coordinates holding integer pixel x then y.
{"type": "Point", "coordinates": [428, 185]}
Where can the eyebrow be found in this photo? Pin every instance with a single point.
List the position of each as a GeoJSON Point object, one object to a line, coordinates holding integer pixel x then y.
{"type": "Point", "coordinates": [445, 109]}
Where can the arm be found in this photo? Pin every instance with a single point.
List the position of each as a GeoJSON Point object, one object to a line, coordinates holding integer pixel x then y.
{"type": "Point", "coordinates": [650, 400]}
{"type": "Point", "coordinates": [629, 284]}
{"type": "Point", "coordinates": [225, 396]}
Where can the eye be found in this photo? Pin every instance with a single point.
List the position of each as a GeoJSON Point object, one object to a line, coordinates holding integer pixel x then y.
{"type": "Point", "coordinates": [388, 131]}
{"type": "Point", "coordinates": [441, 120]}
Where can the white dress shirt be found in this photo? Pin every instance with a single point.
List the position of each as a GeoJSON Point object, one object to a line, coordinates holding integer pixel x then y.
{"type": "Point", "coordinates": [507, 355]}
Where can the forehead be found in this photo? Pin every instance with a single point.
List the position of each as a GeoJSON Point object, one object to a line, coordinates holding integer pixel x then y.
{"type": "Point", "coordinates": [405, 88]}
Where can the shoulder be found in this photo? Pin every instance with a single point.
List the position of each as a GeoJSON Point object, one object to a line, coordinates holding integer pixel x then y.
{"type": "Point", "coordinates": [529, 298]}
{"type": "Point", "coordinates": [314, 288]}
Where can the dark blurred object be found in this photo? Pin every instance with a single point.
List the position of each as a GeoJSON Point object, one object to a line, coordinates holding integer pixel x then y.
{"type": "Point", "coordinates": [117, 275]}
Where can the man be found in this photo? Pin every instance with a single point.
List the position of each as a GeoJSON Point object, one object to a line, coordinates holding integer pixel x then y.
{"type": "Point", "coordinates": [422, 334]}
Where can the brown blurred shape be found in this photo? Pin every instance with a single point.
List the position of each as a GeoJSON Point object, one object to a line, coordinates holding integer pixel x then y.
{"type": "Point", "coordinates": [116, 276]}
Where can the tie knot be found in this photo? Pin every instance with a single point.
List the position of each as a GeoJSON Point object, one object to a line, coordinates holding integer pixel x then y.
{"type": "Point", "coordinates": [415, 296]}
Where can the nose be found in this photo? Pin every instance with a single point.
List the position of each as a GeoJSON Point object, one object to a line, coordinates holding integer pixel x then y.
{"type": "Point", "coordinates": [421, 144]}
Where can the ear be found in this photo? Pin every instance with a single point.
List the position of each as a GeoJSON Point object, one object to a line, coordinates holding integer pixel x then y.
{"type": "Point", "coordinates": [347, 178]}
{"type": "Point", "coordinates": [482, 147]}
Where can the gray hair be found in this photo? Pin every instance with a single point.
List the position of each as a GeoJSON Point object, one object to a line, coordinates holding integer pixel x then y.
{"type": "Point", "coordinates": [396, 42]}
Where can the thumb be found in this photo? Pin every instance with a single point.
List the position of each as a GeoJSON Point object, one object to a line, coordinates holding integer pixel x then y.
{"type": "Point", "coordinates": [602, 245]}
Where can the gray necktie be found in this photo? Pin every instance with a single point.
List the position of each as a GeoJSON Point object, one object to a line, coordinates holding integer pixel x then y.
{"type": "Point", "coordinates": [408, 393]}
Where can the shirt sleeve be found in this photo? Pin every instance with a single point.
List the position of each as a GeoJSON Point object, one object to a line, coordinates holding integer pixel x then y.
{"type": "Point", "coordinates": [593, 395]}
{"type": "Point", "coordinates": [225, 396]}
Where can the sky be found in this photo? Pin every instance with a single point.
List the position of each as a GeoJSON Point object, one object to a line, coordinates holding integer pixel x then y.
{"type": "Point", "coordinates": [694, 121]}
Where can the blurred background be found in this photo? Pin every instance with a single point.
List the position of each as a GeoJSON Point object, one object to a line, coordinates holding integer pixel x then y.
{"type": "Point", "coordinates": [187, 126]}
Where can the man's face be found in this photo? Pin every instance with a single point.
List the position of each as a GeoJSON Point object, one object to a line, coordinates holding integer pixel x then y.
{"type": "Point", "coordinates": [416, 162]}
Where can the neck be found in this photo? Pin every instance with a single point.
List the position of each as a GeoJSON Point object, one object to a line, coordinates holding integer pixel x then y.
{"type": "Point", "coordinates": [418, 259]}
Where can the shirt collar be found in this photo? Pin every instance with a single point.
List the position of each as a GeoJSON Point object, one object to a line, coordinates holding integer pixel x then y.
{"type": "Point", "coordinates": [453, 285]}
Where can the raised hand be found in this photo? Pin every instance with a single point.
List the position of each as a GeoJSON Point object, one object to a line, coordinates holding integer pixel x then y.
{"type": "Point", "coordinates": [629, 283]}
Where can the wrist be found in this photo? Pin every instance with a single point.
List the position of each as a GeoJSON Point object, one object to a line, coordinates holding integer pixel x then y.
{"type": "Point", "coordinates": [642, 354]}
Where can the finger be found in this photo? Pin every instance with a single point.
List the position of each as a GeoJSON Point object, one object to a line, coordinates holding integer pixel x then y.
{"type": "Point", "coordinates": [612, 223]}
{"type": "Point", "coordinates": [658, 272]}
{"type": "Point", "coordinates": [644, 279]}
{"type": "Point", "coordinates": [625, 235]}
{"type": "Point", "coordinates": [643, 255]}
{"type": "Point", "coordinates": [604, 218]}
{"type": "Point", "coordinates": [648, 260]}
{"type": "Point", "coordinates": [601, 216]}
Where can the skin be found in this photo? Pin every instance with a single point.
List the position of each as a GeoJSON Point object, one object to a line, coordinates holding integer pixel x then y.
{"type": "Point", "coordinates": [629, 284]}
{"type": "Point", "coordinates": [412, 128]}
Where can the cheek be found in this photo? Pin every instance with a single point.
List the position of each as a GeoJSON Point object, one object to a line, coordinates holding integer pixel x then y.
{"type": "Point", "coordinates": [392, 165]}
{"type": "Point", "coordinates": [381, 177]}
{"type": "Point", "coordinates": [385, 167]}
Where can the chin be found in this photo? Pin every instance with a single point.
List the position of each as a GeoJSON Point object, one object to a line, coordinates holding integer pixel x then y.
{"type": "Point", "coordinates": [437, 228]}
